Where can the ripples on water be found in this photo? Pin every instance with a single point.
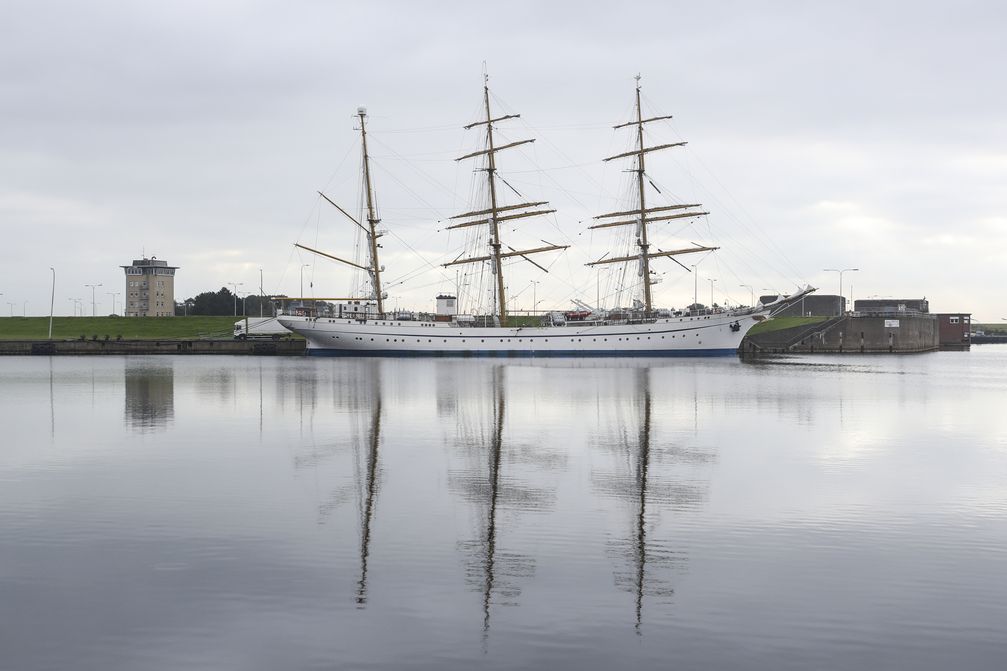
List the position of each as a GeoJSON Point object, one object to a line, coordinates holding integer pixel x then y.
{"type": "Point", "coordinates": [262, 513]}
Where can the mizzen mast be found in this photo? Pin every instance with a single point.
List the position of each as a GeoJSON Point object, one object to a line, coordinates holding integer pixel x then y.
{"type": "Point", "coordinates": [373, 268]}
{"type": "Point", "coordinates": [372, 217]}
{"type": "Point", "coordinates": [643, 215]}
{"type": "Point", "coordinates": [491, 216]}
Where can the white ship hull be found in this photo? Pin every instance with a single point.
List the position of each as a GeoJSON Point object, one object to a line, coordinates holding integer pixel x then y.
{"type": "Point", "coordinates": [717, 334]}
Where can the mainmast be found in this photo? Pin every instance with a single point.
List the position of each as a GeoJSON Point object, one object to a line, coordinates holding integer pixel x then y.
{"type": "Point", "coordinates": [641, 239]}
{"type": "Point", "coordinates": [492, 216]}
{"type": "Point", "coordinates": [491, 168]}
{"type": "Point", "coordinates": [642, 215]}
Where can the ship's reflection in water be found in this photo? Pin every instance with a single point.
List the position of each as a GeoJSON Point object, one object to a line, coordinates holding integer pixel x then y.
{"type": "Point", "coordinates": [506, 462]}
{"type": "Point", "coordinates": [454, 514]}
{"type": "Point", "coordinates": [149, 401]}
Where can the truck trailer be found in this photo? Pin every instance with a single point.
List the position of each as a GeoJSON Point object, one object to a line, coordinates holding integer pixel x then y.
{"type": "Point", "coordinates": [260, 328]}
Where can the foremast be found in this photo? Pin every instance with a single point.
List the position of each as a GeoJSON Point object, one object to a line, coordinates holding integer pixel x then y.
{"type": "Point", "coordinates": [371, 231]}
{"type": "Point", "coordinates": [642, 216]}
{"type": "Point", "coordinates": [372, 218]}
{"type": "Point", "coordinates": [492, 216]}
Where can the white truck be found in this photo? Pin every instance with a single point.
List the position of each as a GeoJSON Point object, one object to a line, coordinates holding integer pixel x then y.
{"type": "Point", "coordinates": [260, 328]}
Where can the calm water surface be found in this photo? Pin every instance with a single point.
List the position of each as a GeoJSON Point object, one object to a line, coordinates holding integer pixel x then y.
{"type": "Point", "coordinates": [269, 513]}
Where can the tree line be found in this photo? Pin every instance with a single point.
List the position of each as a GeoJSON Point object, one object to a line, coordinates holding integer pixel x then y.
{"type": "Point", "coordinates": [224, 302]}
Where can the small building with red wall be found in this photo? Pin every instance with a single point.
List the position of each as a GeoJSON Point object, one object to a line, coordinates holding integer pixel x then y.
{"type": "Point", "coordinates": [954, 330]}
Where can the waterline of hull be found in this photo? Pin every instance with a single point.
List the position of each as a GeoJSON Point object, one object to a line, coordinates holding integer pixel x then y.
{"type": "Point", "coordinates": [508, 354]}
{"type": "Point", "coordinates": [713, 335]}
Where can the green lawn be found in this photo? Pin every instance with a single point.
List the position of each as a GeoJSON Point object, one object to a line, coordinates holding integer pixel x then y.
{"type": "Point", "coordinates": [995, 328]}
{"type": "Point", "coordinates": [780, 323]}
{"type": "Point", "coordinates": [130, 328]}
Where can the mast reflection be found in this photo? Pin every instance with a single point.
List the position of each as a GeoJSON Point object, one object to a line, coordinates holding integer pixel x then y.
{"type": "Point", "coordinates": [648, 559]}
{"type": "Point", "coordinates": [643, 464]}
{"type": "Point", "coordinates": [370, 481]}
{"type": "Point", "coordinates": [357, 396]}
{"type": "Point", "coordinates": [496, 448]}
{"type": "Point", "coordinates": [491, 571]}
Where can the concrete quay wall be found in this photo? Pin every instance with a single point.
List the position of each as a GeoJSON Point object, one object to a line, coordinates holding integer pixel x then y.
{"type": "Point", "coordinates": [854, 334]}
{"type": "Point", "coordinates": [74, 347]}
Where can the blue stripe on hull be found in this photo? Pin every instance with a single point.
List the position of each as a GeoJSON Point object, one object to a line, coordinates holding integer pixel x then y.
{"type": "Point", "coordinates": [516, 354]}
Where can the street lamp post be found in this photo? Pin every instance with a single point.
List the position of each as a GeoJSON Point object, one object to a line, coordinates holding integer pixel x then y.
{"type": "Point", "coordinates": [695, 287]}
{"type": "Point", "coordinates": [261, 294]}
{"type": "Point", "coordinates": [751, 290]}
{"type": "Point", "coordinates": [534, 295]}
{"type": "Point", "coordinates": [113, 294]}
{"type": "Point", "coordinates": [235, 285]}
{"type": "Point", "coordinates": [841, 271]}
{"type": "Point", "coordinates": [306, 265]}
{"type": "Point", "coordinates": [24, 309]}
{"type": "Point", "coordinates": [11, 308]}
{"type": "Point", "coordinates": [52, 299]}
{"type": "Point", "coordinates": [712, 280]}
{"type": "Point", "coordinates": [94, 312]}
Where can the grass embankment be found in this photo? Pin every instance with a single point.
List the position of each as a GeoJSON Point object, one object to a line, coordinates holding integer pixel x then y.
{"type": "Point", "coordinates": [130, 328]}
{"type": "Point", "coordinates": [781, 323]}
{"type": "Point", "coordinates": [991, 329]}
{"type": "Point", "coordinates": [524, 320]}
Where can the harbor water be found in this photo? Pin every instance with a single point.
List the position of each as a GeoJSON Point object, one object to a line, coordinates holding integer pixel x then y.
{"type": "Point", "coordinates": [812, 512]}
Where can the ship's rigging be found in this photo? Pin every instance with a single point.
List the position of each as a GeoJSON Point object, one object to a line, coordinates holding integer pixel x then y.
{"type": "Point", "coordinates": [484, 223]}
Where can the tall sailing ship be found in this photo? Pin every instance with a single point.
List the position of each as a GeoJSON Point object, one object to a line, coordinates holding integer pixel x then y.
{"type": "Point", "coordinates": [642, 331]}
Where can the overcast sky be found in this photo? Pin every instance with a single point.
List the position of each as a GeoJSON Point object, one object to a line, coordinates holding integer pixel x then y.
{"type": "Point", "coordinates": [821, 135]}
